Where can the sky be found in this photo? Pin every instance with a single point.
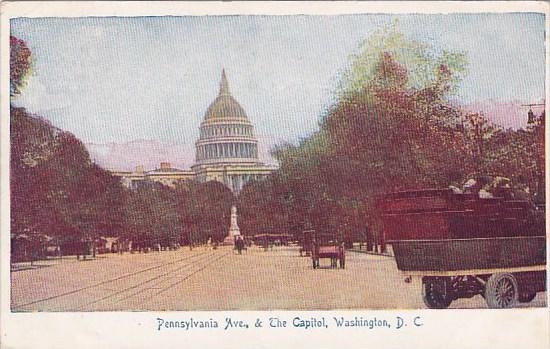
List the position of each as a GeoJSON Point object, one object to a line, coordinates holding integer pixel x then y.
{"type": "Point", "coordinates": [115, 82]}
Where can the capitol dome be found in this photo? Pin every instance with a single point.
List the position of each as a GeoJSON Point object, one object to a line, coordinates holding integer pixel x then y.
{"type": "Point", "coordinates": [226, 151]}
{"type": "Point", "coordinates": [226, 134]}
{"type": "Point", "coordinates": [224, 106]}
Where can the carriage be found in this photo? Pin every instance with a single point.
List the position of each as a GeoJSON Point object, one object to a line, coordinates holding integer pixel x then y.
{"type": "Point", "coordinates": [461, 245]}
{"type": "Point", "coordinates": [272, 239]}
{"type": "Point", "coordinates": [327, 246]}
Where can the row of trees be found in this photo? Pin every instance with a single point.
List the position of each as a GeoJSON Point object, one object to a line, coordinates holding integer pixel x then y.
{"type": "Point", "coordinates": [57, 191]}
{"type": "Point", "coordinates": [393, 127]}
{"type": "Point", "coordinates": [190, 213]}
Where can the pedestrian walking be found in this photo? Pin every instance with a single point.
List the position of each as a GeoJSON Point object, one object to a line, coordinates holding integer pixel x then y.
{"type": "Point", "coordinates": [239, 244]}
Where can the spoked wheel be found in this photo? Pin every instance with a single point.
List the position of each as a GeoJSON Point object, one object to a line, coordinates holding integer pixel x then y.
{"type": "Point", "coordinates": [501, 291]}
{"type": "Point", "coordinates": [526, 297]}
{"type": "Point", "coordinates": [434, 293]}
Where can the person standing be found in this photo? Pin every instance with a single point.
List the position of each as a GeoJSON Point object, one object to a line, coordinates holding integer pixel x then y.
{"type": "Point", "coordinates": [239, 244]}
{"type": "Point", "coordinates": [369, 238]}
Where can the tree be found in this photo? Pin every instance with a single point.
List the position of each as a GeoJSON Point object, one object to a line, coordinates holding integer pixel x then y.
{"type": "Point", "coordinates": [391, 128]}
{"type": "Point", "coordinates": [394, 137]}
{"type": "Point", "coordinates": [56, 189]}
{"type": "Point", "coordinates": [152, 215]}
{"type": "Point", "coordinates": [32, 206]}
{"type": "Point", "coordinates": [20, 64]}
{"type": "Point", "coordinates": [205, 210]}
{"type": "Point", "coordinates": [422, 62]}
{"type": "Point", "coordinates": [263, 207]}
{"type": "Point", "coordinates": [519, 155]}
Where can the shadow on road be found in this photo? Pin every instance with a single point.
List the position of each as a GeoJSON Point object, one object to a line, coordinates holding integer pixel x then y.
{"type": "Point", "coordinates": [15, 268]}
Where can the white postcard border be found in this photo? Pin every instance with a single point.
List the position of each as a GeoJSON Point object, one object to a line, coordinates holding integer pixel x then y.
{"type": "Point", "coordinates": [528, 328]}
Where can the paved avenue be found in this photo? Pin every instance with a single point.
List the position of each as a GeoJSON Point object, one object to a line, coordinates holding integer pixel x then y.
{"type": "Point", "coordinates": [206, 279]}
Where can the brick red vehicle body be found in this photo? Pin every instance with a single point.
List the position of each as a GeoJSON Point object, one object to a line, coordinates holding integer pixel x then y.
{"type": "Point", "coordinates": [459, 238]}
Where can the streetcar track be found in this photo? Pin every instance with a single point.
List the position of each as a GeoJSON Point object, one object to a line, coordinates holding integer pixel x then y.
{"type": "Point", "coordinates": [193, 273]}
{"type": "Point", "coordinates": [209, 262]}
{"type": "Point", "coordinates": [136, 285]}
{"type": "Point", "coordinates": [104, 282]}
{"type": "Point", "coordinates": [143, 283]}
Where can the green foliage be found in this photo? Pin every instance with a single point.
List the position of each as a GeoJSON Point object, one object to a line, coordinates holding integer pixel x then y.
{"type": "Point", "coordinates": [262, 196]}
{"type": "Point", "coordinates": [422, 62]}
{"type": "Point", "coordinates": [392, 128]}
{"type": "Point", "coordinates": [519, 155]}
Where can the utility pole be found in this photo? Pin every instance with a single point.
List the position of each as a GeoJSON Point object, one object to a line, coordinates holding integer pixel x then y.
{"type": "Point", "coordinates": [538, 132]}
{"type": "Point", "coordinates": [531, 118]}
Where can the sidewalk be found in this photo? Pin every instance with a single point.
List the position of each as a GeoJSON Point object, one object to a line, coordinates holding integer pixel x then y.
{"type": "Point", "coordinates": [388, 253]}
{"type": "Point", "coordinates": [50, 261]}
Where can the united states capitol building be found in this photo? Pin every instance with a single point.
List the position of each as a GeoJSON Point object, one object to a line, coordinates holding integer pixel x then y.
{"type": "Point", "coordinates": [226, 151]}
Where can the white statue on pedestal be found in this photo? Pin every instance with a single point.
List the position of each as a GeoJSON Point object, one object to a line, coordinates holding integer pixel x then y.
{"type": "Point", "coordinates": [233, 228]}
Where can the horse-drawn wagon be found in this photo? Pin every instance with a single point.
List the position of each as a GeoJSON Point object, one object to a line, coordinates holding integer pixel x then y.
{"type": "Point", "coordinates": [462, 245]}
{"type": "Point", "coordinates": [327, 246]}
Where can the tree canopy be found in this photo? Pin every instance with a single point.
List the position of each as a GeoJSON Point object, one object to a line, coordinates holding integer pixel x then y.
{"type": "Point", "coordinates": [392, 127]}
{"type": "Point", "coordinates": [20, 64]}
{"type": "Point", "coordinates": [205, 210]}
{"type": "Point", "coordinates": [422, 62]}
{"type": "Point", "coordinates": [55, 188]}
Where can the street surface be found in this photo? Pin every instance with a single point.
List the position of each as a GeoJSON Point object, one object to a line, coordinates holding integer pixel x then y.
{"type": "Point", "coordinates": [206, 279]}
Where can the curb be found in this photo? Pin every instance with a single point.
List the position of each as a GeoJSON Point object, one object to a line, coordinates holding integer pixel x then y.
{"type": "Point", "coordinates": [371, 253]}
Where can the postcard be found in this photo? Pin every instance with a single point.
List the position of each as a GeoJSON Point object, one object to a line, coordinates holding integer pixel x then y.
{"type": "Point", "coordinates": [274, 175]}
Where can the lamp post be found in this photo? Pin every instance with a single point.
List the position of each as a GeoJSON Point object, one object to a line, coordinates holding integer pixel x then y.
{"type": "Point", "coordinates": [536, 123]}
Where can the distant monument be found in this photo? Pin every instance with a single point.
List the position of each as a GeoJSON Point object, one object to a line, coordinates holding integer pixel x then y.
{"type": "Point", "coordinates": [233, 228]}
